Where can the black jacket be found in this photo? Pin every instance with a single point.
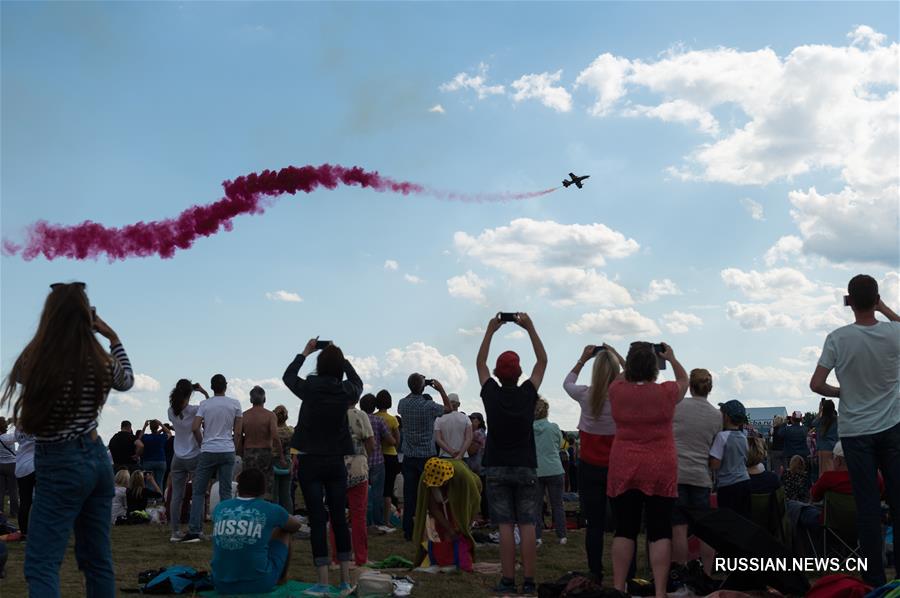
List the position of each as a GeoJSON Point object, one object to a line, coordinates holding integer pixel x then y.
{"type": "Point", "coordinates": [322, 427]}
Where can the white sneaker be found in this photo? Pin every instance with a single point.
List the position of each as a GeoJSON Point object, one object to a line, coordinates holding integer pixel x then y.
{"type": "Point", "coordinates": [538, 542]}
{"type": "Point", "coordinates": [176, 537]}
{"type": "Point", "coordinates": [563, 541]}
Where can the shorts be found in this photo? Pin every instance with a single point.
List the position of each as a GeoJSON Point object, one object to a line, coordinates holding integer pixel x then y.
{"type": "Point", "coordinates": [266, 581]}
{"type": "Point", "coordinates": [513, 495]}
{"type": "Point", "coordinates": [694, 498]}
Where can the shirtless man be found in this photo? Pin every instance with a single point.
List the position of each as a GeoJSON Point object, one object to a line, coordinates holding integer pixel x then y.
{"type": "Point", "coordinates": [260, 438]}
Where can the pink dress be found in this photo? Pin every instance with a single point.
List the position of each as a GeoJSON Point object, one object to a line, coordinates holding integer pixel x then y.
{"type": "Point", "coordinates": [643, 454]}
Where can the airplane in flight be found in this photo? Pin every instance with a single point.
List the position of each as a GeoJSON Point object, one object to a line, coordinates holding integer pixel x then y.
{"type": "Point", "coordinates": [575, 180]}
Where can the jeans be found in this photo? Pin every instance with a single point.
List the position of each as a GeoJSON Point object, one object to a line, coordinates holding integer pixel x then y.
{"type": "Point", "coordinates": [8, 486]}
{"type": "Point", "coordinates": [26, 496]}
{"type": "Point", "coordinates": [324, 477]}
{"type": "Point", "coordinates": [207, 463]}
{"type": "Point", "coordinates": [375, 514]}
{"type": "Point", "coordinates": [412, 471]}
{"type": "Point", "coordinates": [74, 488]}
{"type": "Point", "coordinates": [553, 487]}
{"type": "Point", "coordinates": [181, 468]}
{"type": "Point", "coordinates": [281, 491]}
{"type": "Point", "coordinates": [864, 456]}
{"type": "Point", "coordinates": [158, 469]}
{"type": "Point", "coordinates": [592, 499]}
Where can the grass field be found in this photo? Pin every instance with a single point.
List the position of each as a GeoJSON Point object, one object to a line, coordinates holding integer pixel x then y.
{"type": "Point", "coordinates": [138, 548]}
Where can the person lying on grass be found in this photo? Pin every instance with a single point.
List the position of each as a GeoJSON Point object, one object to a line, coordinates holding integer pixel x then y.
{"type": "Point", "coordinates": [251, 539]}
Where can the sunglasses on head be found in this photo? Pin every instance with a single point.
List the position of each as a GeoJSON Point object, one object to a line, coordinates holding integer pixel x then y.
{"type": "Point", "coordinates": [56, 285]}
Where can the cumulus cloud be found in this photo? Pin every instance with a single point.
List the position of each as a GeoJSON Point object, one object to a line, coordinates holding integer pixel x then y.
{"type": "Point", "coordinates": [679, 322]}
{"type": "Point", "coordinates": [560, 260]}
{"type": "Point", "coordinates": [889, 289]}
{"type": "Point", "coordinates": [392, 370]}
{"type": "Point", "coordinates": [476, 83]}
{"type": "Point", "coordinates": [541, 87]}
{"type": "Point", "coordinates": [412, 279]}
{"type": "Point", "coordinates": [285, 296]}
{"type": "Point", "coordinates": [660, 288]}
{"type": "Point", "coordinates": [145, 383]}
{"type": "Point", "coordinates": [437, 108]}
{"type": "Point", "coordinates": [615, 324]}
{"type": "Point", "coordinates": [391, 265]}
{"type": "Point", "coordinates": [678, 111]}
{"type": "Point", "coordinates": [468, 286]}
{"type": "Point", "coordinates": [606, 77]}
{"type": "Point", "coordinates": [786, 249]}
{"type": "Point", "coordinates": [806, 358]}
{"type": "Point", "coordinates": [767, 386]}
{"type": "Point", "coordinates": [754, 208]}
{"type": "Point", "coordinates": [239, 388]}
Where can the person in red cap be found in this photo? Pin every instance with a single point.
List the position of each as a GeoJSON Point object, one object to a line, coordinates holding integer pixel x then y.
{"type": "Point", "coordinates": [510, 458]}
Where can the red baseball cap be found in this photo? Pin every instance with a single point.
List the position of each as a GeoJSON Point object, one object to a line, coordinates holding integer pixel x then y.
{"type": "Point", "coordinates": [508, 367]}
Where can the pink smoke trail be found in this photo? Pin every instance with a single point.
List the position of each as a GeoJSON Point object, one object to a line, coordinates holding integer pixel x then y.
{"type": "Point", "coordinates": [244, 195]}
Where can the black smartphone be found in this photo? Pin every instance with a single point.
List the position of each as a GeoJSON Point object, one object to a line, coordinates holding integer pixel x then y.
{"type": "Point", "coordinates": [196, 386]}
{"type": "Point", "coordinates": [659, 348]}
{"type": "Point", "coordinates": [598, 349]}
{"type": "Point", "coordinates": [508, 316]}
{"type": "Point", "coordinates": [429, 381]}
{"type": "Point", "coordinates": [322, 344]}
{"type": "Point", "coordinates": [847, 300]}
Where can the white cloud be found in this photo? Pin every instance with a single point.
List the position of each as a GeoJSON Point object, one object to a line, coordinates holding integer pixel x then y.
{"type": "Point", "coordinates": [412, 279]}
{"type": "Point", "coordinates": [767, 386]}
{"type": "Point", "coordinates": [787, 248]}
{"type": "Point", "coordinates": [660, 288]}
{"type": "Point", "coordinates": [679, 322]}
{"type": "Point", "coordinates": [468, 286]}
{"type": "Point", "coordinates": [754, 208]}
{"type": "Point", "coordinates": [476, 331]}
{"type": "Point", "coordinates": [678, 111]}
{"type": "Point", "coordinates": [145, 383]}
{"type": "Point", "coordinates": [239, 388]}
{"type": "Point", "coordinates": [820, 108]}
{"type": "Point", "coordinates": [391, 265]}
{"type": "Point", "coordinates": [806, 358]}
{"type": "Point", "coordinates": [476, 83]}
{"type": "Point", "coordinates": [615, 324]}
{"type": "Point", "coordinates": [770, 284]}
{"type": "Point", "coordinates": [284, 296]}
{"type": "Point", "coordinates": [541, 87]}
{"type": "Point", "coordinates": [561, 260]}
{"type": "Point", "coordinates": [392, 370]}
{"type": "Point", "coordinates": [437, 108]}
{"type": "Point", "coordinates": [516, 335]}
{"type": "Point", "coordinates": [889, 289]}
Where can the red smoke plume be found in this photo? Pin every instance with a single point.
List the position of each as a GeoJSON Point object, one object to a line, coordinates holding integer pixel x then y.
{"type": "Point", "coordinates": [244, 195]}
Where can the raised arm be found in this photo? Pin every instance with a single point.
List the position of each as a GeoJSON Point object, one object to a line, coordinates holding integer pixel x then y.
{"type": "Point", "coordinates": [819, 385]}
{"type": "Point", "coordinates": [481, 360]}
{"type": "Point", "coordinates": [681, 376]}
{"type": "Point", "coordinates": [353, 378]}
{"type": "Point", "coordinates": [444, 397]}
{"type": "Point", "coordinates": [123, 376]}
{"type": "Point", "coordinates": [887, 311]}
{"type": "Point", "coordinates": [570, 385]}
{"type": "Point", "coordinates": [537, 374]}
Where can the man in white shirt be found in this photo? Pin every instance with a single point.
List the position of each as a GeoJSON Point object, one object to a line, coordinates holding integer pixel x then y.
{"type": "Point", "coordinates": [453, 431]}
{"type": "Point", "coordinates": [865, 356]}
{"type": "Point", "coordinates": [220, 419]}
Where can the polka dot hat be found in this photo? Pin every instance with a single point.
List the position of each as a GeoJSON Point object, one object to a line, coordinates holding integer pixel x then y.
{"type": "Point", "coordinates": [437, 472]}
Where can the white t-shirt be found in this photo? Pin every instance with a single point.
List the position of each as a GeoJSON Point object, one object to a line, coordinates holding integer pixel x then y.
{"type": "Point", "coordinates": [24, 454]}
{"type": "Point", "coordinates": [219, 413]}
{"type": "Point", "coordinates": [7, 448]}
{"type": "Point", "coordinates": [695, 425]}
{"type": "Point", "coordinates": [866, 360]}
{"type": "Point", "coordinates": [185, 443]}
{"type": "Point", "coordinates": [453, 428]}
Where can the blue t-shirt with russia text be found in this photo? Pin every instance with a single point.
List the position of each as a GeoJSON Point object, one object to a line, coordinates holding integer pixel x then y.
{"type": "Point", "coordinates": [242, 530]}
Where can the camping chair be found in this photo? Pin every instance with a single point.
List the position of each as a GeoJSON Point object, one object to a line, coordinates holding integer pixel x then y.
{"type": "Point", "coordinates": [768, 511]}
{"type": "Point", "coordinates": [840, 535]}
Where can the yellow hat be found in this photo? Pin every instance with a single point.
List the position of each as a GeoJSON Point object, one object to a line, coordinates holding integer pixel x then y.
{"type": "Point", "coordinates": [437, 472]}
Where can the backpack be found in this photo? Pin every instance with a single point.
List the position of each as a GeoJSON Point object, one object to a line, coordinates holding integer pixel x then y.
{"type": "Point", "coordinates": [177, 579]}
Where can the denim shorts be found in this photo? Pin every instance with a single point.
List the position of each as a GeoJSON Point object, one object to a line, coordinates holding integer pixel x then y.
{"type": "Point", "coordinates": [278, 555]}
{"type": "Point", "coordinates": [689, 497]}
{"type": "Point", "coordinates": [513, 495]}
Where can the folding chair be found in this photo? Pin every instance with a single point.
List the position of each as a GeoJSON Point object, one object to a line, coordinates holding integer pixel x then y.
{"type": "Point", "coordinates": [768, 511]}
{"type": "Point", "coordinates": [841, 537]}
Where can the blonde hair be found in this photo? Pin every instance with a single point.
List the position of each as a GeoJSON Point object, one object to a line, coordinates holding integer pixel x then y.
{"type": "Point", "coordinates": [778, 420]}
{"type": "Point", "coordinates": [122, 478]}
{"type": "Point", "coordinates": [605, 370]}
{"type": "Point", "coordinates": [797, 465]}
{"type": "Point", "coordinates": [756, 451]}
{"type": "Point", "coordinates": [541, 408]}
{"type": "Point", "coordinates": [137, 483]}
{"type": "Point", "coordinates": [701, 382]}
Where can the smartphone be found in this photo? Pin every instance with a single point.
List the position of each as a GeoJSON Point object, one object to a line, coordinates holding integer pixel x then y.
{"type": "Point", "coordinates": [847, 300]}
{"type": "Point", "coordinates": [598, 349]}
{"type": "Point", "coordinates": [429, 381]}
{"type": "Point", "coordinates": [508, 316]}
{"type": "Point", "coordinates": [659, 348]}
{"type": "Point", "coordinates": [322, 344]}
{"type": "Point", "coordinates": [196, 386]}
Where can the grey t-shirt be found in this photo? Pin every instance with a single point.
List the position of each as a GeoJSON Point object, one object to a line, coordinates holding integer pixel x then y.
{"type": "Point", "coordinates": [695, 425]}
{"type": "Point", "coordinates": [866, 360]}
{"type": "Point", "coordinates": [730, 447]}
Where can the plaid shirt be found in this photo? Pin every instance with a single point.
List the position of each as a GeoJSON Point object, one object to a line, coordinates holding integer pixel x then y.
{"type": "Point", "coordinates": [418, 413]}
{"type": "Point", "coordinates": [379, 428]}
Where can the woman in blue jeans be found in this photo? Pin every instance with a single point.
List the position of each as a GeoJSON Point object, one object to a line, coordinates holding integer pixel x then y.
{"type": "Point", "coordinates": [63, 377]}
{"type": "Point", "coordinates": [322, 437]}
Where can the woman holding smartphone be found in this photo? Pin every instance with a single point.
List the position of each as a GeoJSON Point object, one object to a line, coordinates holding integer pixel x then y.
{"type": "Point", "coordinates": [187, 451]}
{"type": "Point", "coordinates": [56, 388]}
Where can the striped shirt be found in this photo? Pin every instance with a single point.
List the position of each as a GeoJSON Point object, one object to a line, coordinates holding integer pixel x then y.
{"type": "Point", "coordinates": [68, 420]}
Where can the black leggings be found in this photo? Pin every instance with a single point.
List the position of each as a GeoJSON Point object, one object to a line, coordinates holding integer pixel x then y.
{"type": "Point", "coordinates": [26, 493]}
{"type": "Point", "coordinates": [628, 508]}
{"type": "Point", "coordinates": [391, 471]}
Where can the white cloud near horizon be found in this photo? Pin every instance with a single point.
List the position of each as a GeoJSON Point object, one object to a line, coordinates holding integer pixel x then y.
{"type": "Point", "coordinates": [542, 87]}
{"type": "Point", "coordinates": [615, 324]}
{"type": "Point", "coordinates": [392, 370]}
{"type": "Point", "coordinates": [679, 322]}
{"type": "Point", "coordinates": [285, 296]}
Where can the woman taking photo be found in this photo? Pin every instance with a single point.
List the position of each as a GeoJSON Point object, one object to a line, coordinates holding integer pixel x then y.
{"type": "Point", "coordinates": [64, 376]}
{"type": "Point", "coordinates": [826, 425]}
{"type": "Point", "coordinates": [596, 430]}
{"type": "Point", "coordinates": [187, 451]}
{"type": "Point", "coordinates": [643, 464]}
{"type": "Point", "coordinates": [322, 437]}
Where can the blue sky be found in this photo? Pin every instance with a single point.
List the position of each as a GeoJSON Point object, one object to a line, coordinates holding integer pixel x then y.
{"type": "Point", "coordinates": [743, 161]}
